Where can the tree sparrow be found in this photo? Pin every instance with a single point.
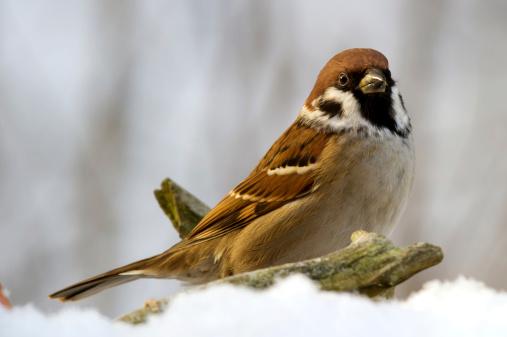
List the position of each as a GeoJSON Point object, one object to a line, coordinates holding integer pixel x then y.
{"type": "Point", "coordinates": [346, 163]}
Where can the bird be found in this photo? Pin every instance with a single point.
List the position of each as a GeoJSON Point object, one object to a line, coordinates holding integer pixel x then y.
{"type": "Point", "coordinates": [346, 163]}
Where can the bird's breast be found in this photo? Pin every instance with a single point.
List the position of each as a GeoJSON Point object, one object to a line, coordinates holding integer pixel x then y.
{"type": "Point", "coordinates": [365, 185]}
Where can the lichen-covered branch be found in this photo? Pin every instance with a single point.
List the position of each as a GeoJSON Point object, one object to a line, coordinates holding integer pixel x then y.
{"type": "Point", "coordinates": [370, 262]}
{"type": "Point", "coordinates": [183, 209]}
{"type": "Point", "coordinates": [371, 265]}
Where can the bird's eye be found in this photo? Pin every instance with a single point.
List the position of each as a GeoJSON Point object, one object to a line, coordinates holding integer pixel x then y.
{"type": "Point", "coordinates": [343, 79]}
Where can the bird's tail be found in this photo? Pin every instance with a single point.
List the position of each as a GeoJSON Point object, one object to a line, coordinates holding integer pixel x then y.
{"type": "Point", "coordinates": [93, 285]}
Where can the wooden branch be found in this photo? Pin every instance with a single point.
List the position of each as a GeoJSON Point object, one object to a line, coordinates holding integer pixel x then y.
{"type": "Point", "coordinates": [370, 265]}
{"type": "Point", "coordinates": [183, 209]}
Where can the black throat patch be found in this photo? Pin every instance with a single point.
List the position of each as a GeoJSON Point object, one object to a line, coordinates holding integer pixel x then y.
{"type": "Point", "coordinates": [378, 109]}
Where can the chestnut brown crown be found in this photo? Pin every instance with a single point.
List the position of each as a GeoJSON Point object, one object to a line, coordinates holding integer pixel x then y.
{"type": "Point", "coordinates": [349, 61]}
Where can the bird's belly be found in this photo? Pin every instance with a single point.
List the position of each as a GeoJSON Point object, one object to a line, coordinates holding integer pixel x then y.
{"type": "Point", "coordinates": [371, 196]}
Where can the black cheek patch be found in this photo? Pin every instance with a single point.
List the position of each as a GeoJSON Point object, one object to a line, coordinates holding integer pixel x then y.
{"type": "Point", "coordinates": [330, 108]}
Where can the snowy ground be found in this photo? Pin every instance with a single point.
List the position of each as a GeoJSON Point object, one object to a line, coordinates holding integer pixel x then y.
{"type": "Point", "coordinates": [294, 307]}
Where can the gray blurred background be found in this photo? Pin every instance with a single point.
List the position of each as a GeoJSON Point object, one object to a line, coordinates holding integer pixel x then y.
{"type": "Point", "coordinates": [100, 100]}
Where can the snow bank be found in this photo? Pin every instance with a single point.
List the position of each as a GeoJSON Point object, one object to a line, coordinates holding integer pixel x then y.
{"type": "Point", "coordinates": [294, 307]}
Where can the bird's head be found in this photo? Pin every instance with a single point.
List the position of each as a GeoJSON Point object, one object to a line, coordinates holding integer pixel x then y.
{"type": "Point", "coordinates": [355, 89]}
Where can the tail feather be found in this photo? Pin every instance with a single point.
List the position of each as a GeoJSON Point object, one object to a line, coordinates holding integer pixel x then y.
{"type": "Point", "coordinates": [93, 285]}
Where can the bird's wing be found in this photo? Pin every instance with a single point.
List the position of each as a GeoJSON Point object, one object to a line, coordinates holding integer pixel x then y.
{"type": "Point", "coordinates": [287, 172]}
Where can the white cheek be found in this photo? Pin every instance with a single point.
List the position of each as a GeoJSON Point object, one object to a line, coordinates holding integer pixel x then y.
{"type": "Point", "coordinates": [350, 117]}
{"type": "Point", "coordinates": [400, 115]}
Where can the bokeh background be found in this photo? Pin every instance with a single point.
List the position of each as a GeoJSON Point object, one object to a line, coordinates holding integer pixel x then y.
{"type": "Point", "coordinates": [100, 100]}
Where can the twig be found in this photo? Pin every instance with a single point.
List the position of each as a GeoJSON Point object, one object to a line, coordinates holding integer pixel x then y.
{"type": "Point", "coordinates": [183, 209]}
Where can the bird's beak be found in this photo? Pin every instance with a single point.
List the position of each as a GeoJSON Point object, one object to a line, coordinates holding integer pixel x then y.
{"type": "Point", "coordinates": [374, 81]}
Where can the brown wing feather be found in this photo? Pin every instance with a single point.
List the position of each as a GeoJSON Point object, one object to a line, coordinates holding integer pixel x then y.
{"type": "Point", "coordinates": [261, 192]}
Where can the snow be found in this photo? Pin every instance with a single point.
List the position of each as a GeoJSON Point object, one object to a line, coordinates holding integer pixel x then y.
{"type": "Point", "coordinates": [294, 307]}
